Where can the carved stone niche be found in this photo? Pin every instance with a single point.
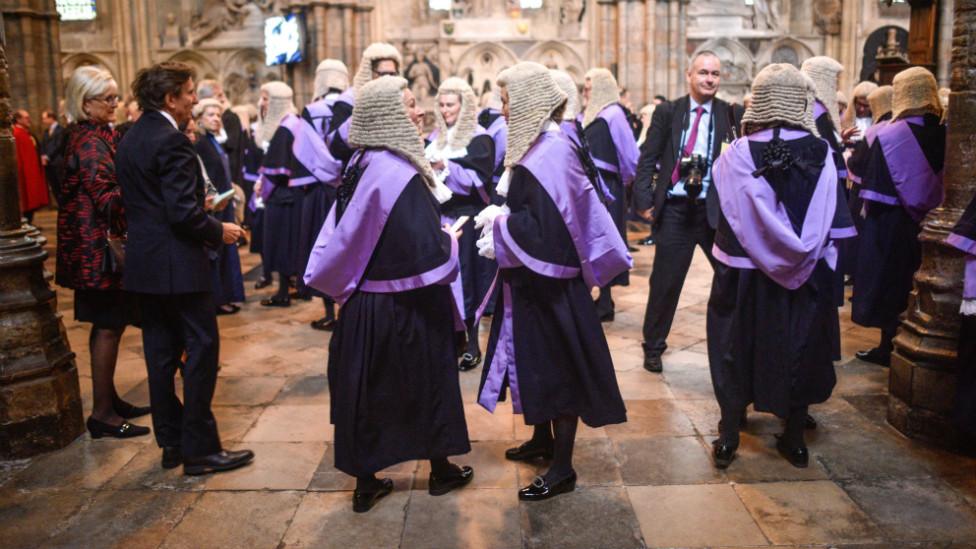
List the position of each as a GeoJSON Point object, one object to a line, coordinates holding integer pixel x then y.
{"type": "Point", "coordinates": [827, 16]}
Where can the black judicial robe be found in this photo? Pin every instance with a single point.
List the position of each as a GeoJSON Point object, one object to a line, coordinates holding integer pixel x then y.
{"type": "Point", "coordinates": [226, 266]}
{"type": "Point", "coordinates": [768, 345]}
{"type": "Point", "coordinates": [828, 132]}
{"type": "Point", "coordinates": [963, 237]}
{"type": "Point", "coordinates": [282, 207]}
{"type": "Point", "coordinates": [476, 271]}
{"type": "Point", "coordinates": [393, 376]}
{"type": "Point", "coordinates": [563, 362]}
{"type": "Point", "coordinates": [889, 252]}
{"type": "Point", "coordinates": [253, 216]}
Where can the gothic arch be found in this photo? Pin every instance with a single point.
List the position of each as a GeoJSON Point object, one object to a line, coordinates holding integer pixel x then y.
{"type": "Point", "coordinates": [779, 52]}
{"type": "Point", "coordinates": [73, 61]}
{"type": "Point", "coordinates": [557, 55]}
{"type": "Point", "coordinates": [482, 62]}
{"type": "Point", "coordinates": [203, 66]}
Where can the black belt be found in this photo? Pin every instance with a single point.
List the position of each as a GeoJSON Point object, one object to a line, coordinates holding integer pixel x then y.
{"type": "Point", "coordinates": [687, 200]}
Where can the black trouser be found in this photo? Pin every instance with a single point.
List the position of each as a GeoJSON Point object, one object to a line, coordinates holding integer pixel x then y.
{"type": "Point", "coordinates": [683, 225]}
{"type": "Point", "coordinates": [170, 325]}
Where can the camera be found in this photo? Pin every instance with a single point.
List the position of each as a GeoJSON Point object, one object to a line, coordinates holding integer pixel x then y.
{"type": "Point", "coordinates": [691, 170]}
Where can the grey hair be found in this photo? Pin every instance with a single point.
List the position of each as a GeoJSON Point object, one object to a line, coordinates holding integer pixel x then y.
{"type": "Point", "coordinates": [702, 53]}
{"type": "Point", "coordinates": [206, 88]}
{"type": "Point", "coordinates": [85, 83]}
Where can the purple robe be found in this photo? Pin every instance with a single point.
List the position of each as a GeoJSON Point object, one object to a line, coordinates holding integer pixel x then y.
{"type": "Point", "coordinates": [624, 144]}
{"type": "Point", "coordinates": [771, 319]}
{"type": "Point", "coordinates": [761, 223]}
{"type": "Point", "coordinates": [917, 187]}
{"type": "Point", "coordinates": [545, 300]}
{"type": "Point", "coordinates": [319, 115]}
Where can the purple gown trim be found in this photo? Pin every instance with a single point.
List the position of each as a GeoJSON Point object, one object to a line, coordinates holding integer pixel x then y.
{"type": "Point", "coordinates": [872, 133]}
{"type": "Point", "coordinates": [599, 247]}
{"type": "Point", "coordinates": [503, 361]}
{"type": "Point", "coordinates": [843, 232]}
{"type": "Point", "coordinates": [321, 114]}
{"type": "Point", "coordinates": [623, 142]}
{"type": "Point", "coordinates": [919, 188]}
{"type": "Point", "coordinates": [461, 180]}
{"type": "Point", "coordinates": [498, 130]}
{"type": "Point", "coordinates": [442, 274]}
{"type": "Point", "coordinates": [875, 196]}
{"type": "Point", "coordinates": [341, 253]}
{"type": "Point", "coordinates": [310, 150]}
{"type": "Point", "coordinates": [510, 255]}
{"type": "Point", "coordinates": [967, 245]}
{"type": "Point", "coordinates": [760, 221]}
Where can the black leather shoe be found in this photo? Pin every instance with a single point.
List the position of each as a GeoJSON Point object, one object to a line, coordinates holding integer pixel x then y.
{"type": "Point", "coordinates": [363, 501]}
{"type": "Point", "coordinates": [798, 457]}
{"type": "Point", "coordinates": [129, 411]}
{"type": "Point", "coordinates": [97, 429]}
{"type": "Point", "coordinates": [540, 488]}
{"type": "Point", "coordinates": [276, 302]}
{"type": "Point", "coordinates": [223, 460]}
{"type": "Point", "coordinates": [324, 324]}
{"type": "Point", "coordinates": [653, 364]}
{"type": "Point", "coordinates": [469, 362]}
{"type": "Point", "coordinates": [649, 241]}
{"type": "Point", "coordinates": [438, 486]}
{"type": "Point", "coordinates": [722, 454]}
{"type": "Point", "coordinates": [262, 283]}
{"type": "Point", "coordinates": [529, 451]}
{"type": "Point", "coordinates": [228, 309]}
{"type": "Point", "coordinates": [172, 457]}
{"type": "Point", "coordinates": [875, 356]}
{"type": "Point", "coordinates": [810, 423]}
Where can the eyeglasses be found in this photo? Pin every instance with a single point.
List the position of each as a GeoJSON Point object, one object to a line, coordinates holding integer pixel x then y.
{"type": "Point", "coordinates": [109, 99]}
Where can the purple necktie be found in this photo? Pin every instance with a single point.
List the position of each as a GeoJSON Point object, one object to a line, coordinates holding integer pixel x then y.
{"type": "Point", "coordinates": [689, 145]}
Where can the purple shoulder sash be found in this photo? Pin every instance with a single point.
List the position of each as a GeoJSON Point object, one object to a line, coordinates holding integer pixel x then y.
{"type": "Point", "coordinates": [872, 133]}
{"type": "Point", "coordinates": [919, 188]}
{"type": "Point", "coordinates": [601, 251]}
{"type": "Point", "coordinates": [342, 252]}
{"type": "Point", "coordinates": [760, 222]}
{"type": "Point", "coordinates": [623, 142]}
{"type": "Point", "coordinates": [310, 151]}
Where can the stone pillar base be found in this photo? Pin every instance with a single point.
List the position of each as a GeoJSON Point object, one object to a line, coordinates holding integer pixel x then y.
{"type": "Point", "coordinates": [40, 414]}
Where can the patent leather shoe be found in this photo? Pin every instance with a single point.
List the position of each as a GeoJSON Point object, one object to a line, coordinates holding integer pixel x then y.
{"type": "Point", "coordinates": [875, 356]}
{"type": "Point", "coordinates": [541, 488]}
{"type": "Point", "coordinates": [364, 500]}
{"type": "Point", "coordinates": [649, 241]}
{"type": "Point", "coordinates": [653, 364]}
{"type": "Point", "coordinates": [129, 411]}
{"type": "Point", "coordinates": [262, 283]}
{"type": "Point", "coordinates": [224, 460]}
{"type": "Point", "coordinates": [438, 486]}
{"type": "Point", "coordinates": [529, 451]}
{"type": "Point", "coordinates": [469, 362]}
{"type": "Point", "coordinates": [172, 457]}
{"type": "Point", "coordinates": [722, 454]}
{"type": "Point", "coordinates": [798, 457]}
{"type": "Point", "coordinates": [98, 429]}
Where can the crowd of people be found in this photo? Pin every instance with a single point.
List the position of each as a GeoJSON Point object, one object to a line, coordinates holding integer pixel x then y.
{"type": "Point", "coordinates": [515, 207]}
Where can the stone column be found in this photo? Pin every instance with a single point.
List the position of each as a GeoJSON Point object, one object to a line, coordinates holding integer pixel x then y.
{"type": "Point", "coordinates": [33, 53]}
{"type": "Point", "coordinates": [923, 368]}
{"type": "Point", "coordinates": [40, 401]}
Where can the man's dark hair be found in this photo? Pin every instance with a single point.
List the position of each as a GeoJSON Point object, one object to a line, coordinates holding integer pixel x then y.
{"type": "Point", "coordinates": [661, 98]}
{"type": "Point", "coordinates": [153, 84]}
{"type": "Point", "coordinates": [49, 114]}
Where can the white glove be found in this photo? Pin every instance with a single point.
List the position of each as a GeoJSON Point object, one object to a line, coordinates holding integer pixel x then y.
{"type": "Point", "coordinates": [486, 217]}
{"type": "Point", "coordinates": [486, 244]}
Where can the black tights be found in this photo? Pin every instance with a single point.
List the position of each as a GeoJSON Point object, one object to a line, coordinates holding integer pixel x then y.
{"type": "Point", "coordinates": [473, 345]}
{"type": "Point", "coordinates": [561, 434]}
{"type": "Point", "coordinates": [103, 344]}
{"type": "Point", "coordinates": [887, 344]}
{"type": "Point", "coordinates": [329, 308]}
{"type": "Point", "coordinates": [795, 423]}
{"type": "Point", "coordinates": [283, 286]}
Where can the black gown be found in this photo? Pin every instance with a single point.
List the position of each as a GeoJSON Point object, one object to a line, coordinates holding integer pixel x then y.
{"type": "Point", "coordinates": [228, 281]}
{"type": "Point", "coordinates": [601, 146]}
{"type": "Point", "coordinates": [393, 376]}
{"type": "Point", "coordinates": [282, 209]}
{"type": "Point", "coordinates": [768, 345]}
{"type": "Point", "coordinates": [477, 272]}
{"type": "Point", "coordinates": [564, 366]}
{"type": "Point", "coordinates": [889, 252]}
{"type": "Point", "coordinates": [964, 410]}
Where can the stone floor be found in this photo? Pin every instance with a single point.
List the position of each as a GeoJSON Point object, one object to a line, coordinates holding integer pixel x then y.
{"type": "Point", "coordinates": [646, 483]}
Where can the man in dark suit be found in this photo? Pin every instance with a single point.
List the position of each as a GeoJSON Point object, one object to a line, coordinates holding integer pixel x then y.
{"type": "Point", "coordinates": [50, 149]}
{"type": "Point", "coordinates": [168, 266]}
{"type": "Point", "coordinates": [676, 199]}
